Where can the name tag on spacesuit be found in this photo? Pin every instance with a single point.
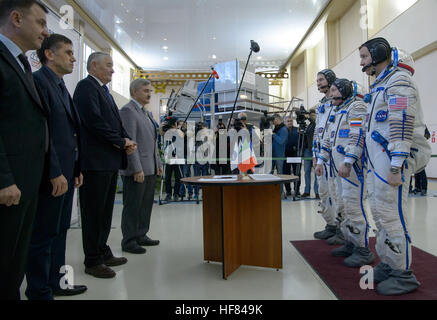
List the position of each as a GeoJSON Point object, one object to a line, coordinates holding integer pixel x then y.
{"type": "Point", "coordinates": [344, 133]}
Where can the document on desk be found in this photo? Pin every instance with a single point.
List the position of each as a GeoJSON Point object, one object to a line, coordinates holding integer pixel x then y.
{"type": "Point", "coordinates": [264, 177]}
{"type": "Point", "coordinates": [219, 178]}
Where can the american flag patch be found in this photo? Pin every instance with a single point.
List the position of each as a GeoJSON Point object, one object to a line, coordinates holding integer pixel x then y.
{"type": "Point", "coordinates": [356, 122]}
{"type": "Point", "coordinates": [398, 103]}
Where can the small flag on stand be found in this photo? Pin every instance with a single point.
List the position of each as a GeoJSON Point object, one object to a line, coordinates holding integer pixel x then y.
{"type": "Point", "coordinates": [243, 157]}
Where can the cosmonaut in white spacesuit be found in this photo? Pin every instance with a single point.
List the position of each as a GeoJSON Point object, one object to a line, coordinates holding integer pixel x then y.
{"type": "Point", "coordinates": [325, 79]}
{"type": "Point", "coordinates": [344, 146]}
{"type": "Point", "coordinates": [395, 148]}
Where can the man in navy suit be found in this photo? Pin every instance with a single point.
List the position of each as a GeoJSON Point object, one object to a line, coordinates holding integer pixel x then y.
{"type": "Point", "coordinates": [48, 243]}
{"type": "Point", "coordinates": [104, 149]}
{"type": "Point", "coordinates": [23, 137]}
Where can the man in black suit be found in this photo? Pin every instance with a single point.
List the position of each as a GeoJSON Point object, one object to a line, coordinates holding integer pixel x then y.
{"type": "Point", "coordinates": [104, 148]}
{"type": "Point", "coordinates": [24, 139]}
{"type": "Point", "coordinates": [53, 217]}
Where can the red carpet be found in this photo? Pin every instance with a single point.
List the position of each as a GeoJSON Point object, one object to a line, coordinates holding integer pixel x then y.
{"type": "Point", "coordinates": [345, 282]}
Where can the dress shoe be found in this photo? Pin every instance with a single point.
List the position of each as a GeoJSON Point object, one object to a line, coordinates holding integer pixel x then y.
{"type": "Point", "coordinates": [305, 195]}
{"type": "Point", "coordinates": [114, 261]}
{"type": "Point", "coordinates": [100, 271]}
{"type": "Point", "coordinates": [135, 250]}
{"type": "Point", "coordinates": [146, 241]}
{"type": "Point", "coordinates": [70, 291]}
{"type": "Point", "coordinates": [317, 196]}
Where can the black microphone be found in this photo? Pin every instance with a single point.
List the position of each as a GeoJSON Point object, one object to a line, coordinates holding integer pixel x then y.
{"type": "Point", "coordinates": [366, 67]}
{"type": "Point", "coordinates": [336, 98]}
{"type": "Point", "coordinates": [254, 46]}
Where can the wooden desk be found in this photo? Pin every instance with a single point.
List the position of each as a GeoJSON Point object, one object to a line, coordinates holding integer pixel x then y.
{"type": "Point", "coordinates": [242, 222]}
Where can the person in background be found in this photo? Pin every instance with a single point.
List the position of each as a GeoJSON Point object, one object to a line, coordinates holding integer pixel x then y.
{"type": "Point", "coordinates": [308, 153]}
{"type": "Point", "coordinates": [144, 166]}
{"type": "Point", "coordinates": [420, 179]}
{"type": "Point", "coordinates": [279, 143]}
{"type": "Point", "coordinates": [199, 169]}
{"type": "Point", "coordinates": [170, 150]}
{"type": "Point", "coordinates": [186, 168]}
{"type": "Point", "coordinates": [53, 217]}
{"type": "Point", "coordinates": [291, 152]}
{"type": "Point", "coordinates": [24, 137]}
{"type": "Point", "coordinates": [105, 145]}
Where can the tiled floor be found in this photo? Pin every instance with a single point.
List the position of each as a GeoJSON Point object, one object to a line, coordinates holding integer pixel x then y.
{"type": "Point", "coordinates": [175, 269]}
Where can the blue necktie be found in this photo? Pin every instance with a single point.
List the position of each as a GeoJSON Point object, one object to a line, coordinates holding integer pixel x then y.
{"type": "Point", "coordinates": [109, 95]}
{"type": "Point", "coordinates": [65, 95]}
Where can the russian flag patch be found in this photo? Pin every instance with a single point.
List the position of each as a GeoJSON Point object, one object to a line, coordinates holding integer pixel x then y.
{"type": "Point", "coordinates": [398, 103]}
{"type": "Point", "coordinates": [356, 122]}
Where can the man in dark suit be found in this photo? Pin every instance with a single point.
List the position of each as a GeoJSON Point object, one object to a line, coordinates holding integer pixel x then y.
{"type": "Point", "coordinates": [104, 148]}
{"type": "Point", "coordinates": [139, 179]}
{"type": "Point", "coordinates": [53, 217]}
{"type": "Point", "coordinates": [24, 139]}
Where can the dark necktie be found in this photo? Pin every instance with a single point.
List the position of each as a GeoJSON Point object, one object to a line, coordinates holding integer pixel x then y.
{"type": "Point", "coordinates": [108, 94]}
{"type": "Point", "coordinates": [28, 72]}
{"type": "Point", "coordinates": [65, 95]}
{"type": "Point", "coordinates": [29, 78]}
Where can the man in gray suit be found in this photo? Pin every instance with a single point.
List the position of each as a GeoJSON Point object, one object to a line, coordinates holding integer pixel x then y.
{"type": "Point", "coordinates": [144, 165]}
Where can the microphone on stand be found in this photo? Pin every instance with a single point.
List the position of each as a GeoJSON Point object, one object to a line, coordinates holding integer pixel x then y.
{"type": "Point", "coordinates": [213, 74]}
{"type": "Point", "coordinates": [254, 47]}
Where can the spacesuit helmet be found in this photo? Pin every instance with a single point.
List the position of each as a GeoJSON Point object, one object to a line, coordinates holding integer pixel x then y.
{"type": "Point", "coordinates": [402, 59]}
{"type": "Point", "coordinates": [345, 87]}
{"type": "Point", "coordinates": [380, 51]}
{"type": "Point", "coordinates": [329, 76]}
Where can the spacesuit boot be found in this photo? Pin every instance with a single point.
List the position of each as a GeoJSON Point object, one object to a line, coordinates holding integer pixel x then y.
{"type": "Point", "coordinates": [338, 238]}
{"type": "Point", "coordinates": [399, 282]}
{"type": "Point", "coordinates": [344, 251]}
{"type": "Point", "coordinates": [361, 256]}
{"type": "Point", "coordinates": [381, 272]}
{"type": "Point", "coordinates": [327, 233]}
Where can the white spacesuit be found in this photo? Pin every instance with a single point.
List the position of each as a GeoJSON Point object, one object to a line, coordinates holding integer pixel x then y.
{"type": "Point", "coordinates": [327, 206]}
{"type": "Point", "coordinates": [394, 142]}
{"type": "Point", "coordinates": [344, 145]}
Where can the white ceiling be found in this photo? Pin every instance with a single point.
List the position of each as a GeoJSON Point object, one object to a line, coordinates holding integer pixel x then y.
{"type": "Point", "coordinates": [195, 30]}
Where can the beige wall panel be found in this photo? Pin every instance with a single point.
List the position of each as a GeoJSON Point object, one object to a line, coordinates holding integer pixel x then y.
{"type": "Point", "coordinates": [425, 67]}
{"type": "Point", "coordinates": [415, 28]}
{"type": "Point", "coordinates": [350, 30]}
{"type": "Point", "coordinates": [349, 68]}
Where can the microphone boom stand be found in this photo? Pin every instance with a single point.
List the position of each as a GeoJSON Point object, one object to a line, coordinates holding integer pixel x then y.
{"type": "Point", "coordinates": [198, 97]}
{"type": "Point", "coordinates": [239, 89]}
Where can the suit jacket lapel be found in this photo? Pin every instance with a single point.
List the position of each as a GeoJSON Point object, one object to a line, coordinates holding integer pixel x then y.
{"type": "Point", "coordinates": [107, 98]}
{"type": "Point", "coordinates": [14, 64]}
{"type": "Point", "coordinates": [57, 89]}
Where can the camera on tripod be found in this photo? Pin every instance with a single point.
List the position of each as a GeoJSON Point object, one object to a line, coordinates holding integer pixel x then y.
{"type": "Point", "coordinates": [302, 117]}
{"type": "Point", "coordinates": [266, 121]}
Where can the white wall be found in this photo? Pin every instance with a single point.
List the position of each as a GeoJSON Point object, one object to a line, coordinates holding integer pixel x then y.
{"type": "Point", "coordinates": [350, 31]}
{"type": "Point", "coordinates": [425, 72]}
{"type": "Point", "coordinates": [415, 28]}
{"type": "Point", "coordinates": [301, 82]}
{"type": "Point", "coordinates": [349, 68]}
